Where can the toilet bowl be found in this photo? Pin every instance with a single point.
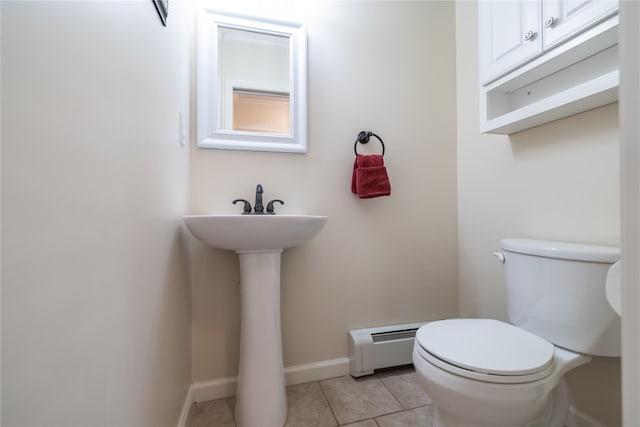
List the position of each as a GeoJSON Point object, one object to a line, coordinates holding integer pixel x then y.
{"type": "Point", "coordinates": [485, 372]}
{"type": "Point", "coordinates": [509, 380]}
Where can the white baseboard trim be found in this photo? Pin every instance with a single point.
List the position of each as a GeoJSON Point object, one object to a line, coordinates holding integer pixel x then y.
{"type": "Point", "coordinates": [186, 407]}
{"type": "Point", "coordinates": [316, 371]}
{"type": "Point", "coordinates": [215, 389]}
{"type": "Point", "coordinates": [299, 374]}
{"type": "Point", "coordinates": [580, 419]}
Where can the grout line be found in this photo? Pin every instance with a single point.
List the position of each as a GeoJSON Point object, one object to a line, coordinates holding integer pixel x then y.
{"type": "Point", "coordinates": [328, 403]}
{"type": "Point", "coordinates": [392, 393]}
{"type": "Point", "coordinates": [363, 420]}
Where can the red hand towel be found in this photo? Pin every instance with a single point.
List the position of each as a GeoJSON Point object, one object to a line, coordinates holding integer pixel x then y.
{"type": "Point", "coordinates": [369, 178]}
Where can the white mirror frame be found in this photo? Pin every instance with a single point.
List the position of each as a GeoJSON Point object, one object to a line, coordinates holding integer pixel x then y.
{"type": "Point", "coordinates": [209, 132]}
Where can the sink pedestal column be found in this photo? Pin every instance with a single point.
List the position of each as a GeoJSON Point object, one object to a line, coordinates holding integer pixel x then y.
{"type": "Point", "coordinates": [261, 399]}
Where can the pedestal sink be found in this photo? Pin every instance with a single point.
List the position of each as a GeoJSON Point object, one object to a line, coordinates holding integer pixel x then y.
{"type": "Point", "coordinates": [259, 240]}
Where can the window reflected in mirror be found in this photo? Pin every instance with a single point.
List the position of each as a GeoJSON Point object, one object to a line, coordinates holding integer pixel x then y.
{"type": "Point", "coordinates": [263, 112]}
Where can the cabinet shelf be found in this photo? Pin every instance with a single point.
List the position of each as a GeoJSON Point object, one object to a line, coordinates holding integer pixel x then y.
{"type": "Point", "coordinates": [599, 91]}
{"type": "Point", "coordinates": [576, 76]}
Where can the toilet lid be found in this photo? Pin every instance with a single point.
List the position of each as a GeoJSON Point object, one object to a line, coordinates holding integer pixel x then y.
{"type": "Point", "coordinates": [486, 346]}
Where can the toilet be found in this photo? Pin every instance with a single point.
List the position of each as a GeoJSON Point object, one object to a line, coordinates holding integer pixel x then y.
{"type": "Point", "coordinates": [484, 372]}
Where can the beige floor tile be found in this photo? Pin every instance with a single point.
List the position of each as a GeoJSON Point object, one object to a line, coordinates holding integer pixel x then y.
{"type": "Point", "coordinates": [406, 388]}
{"type": "Point", "coordinates": [425, 416]}
{"type": "Point", "coordinates": [358, 399]}
{"type": "Point", "coordinates": [213, 413]}
{"type": "Point", "coordinates": [365, 423]}
{"type": "Point", "coordinates": [308, 407]}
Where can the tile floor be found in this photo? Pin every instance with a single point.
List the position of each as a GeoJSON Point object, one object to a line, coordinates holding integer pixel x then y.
{"type": "Point", "coordinates": [391, 398]}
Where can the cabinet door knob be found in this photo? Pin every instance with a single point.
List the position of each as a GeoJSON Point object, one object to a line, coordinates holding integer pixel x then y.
{"type": "Point", "coordinates": [529, 35]}
{"type": "Point", "coordinates": [549, 22]}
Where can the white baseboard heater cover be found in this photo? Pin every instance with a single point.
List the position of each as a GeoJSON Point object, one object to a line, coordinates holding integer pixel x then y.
{"type": "Point", "coordinates": [381, 347]}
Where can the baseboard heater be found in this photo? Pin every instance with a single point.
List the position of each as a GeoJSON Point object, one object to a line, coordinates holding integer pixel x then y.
{"type": "Point", "coordinates": [381, 347]}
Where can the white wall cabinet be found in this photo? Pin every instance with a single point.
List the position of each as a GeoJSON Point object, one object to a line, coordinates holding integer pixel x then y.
{"type": "Point", "coordinates": [562, 19]}
{"type": "Point", "coordinates": [509, 36]}
{"type": "Point", "coordinates": [541, 60]}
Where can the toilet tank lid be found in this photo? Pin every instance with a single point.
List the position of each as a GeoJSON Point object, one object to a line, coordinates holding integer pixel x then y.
{"type": "Point", "coordinates": [562, 250]}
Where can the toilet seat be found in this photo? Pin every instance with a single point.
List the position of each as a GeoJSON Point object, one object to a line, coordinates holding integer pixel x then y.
{"type": "Point", "coordinates": [485, 350]}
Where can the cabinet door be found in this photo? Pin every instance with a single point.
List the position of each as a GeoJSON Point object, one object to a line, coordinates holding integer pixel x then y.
{"type": "Point", "coordinates": [563, 19]}
{"type": "Point", "coordinates": [509, 35]}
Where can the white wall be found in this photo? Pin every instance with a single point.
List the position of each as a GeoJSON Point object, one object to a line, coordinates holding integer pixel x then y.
{"type": "Point", "coordinates": [557, 181]}
{"type": "Point", "coordinates": [630, 134]}
{"type": "Point", "coordinates": [95, 297]}
{"type": "Point", "coordinates": [380, 66]}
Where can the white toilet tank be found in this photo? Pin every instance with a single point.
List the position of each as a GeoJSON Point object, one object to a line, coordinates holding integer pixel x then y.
{"type": "Point", "coordinates": [556, 290]}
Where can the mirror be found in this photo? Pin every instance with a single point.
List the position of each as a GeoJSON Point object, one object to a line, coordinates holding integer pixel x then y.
{"type": "Point", "coordinates": [251, 84]}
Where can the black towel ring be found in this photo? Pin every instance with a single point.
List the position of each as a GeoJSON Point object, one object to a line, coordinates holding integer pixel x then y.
{"type": "Point", "coordinates": [363, 138]}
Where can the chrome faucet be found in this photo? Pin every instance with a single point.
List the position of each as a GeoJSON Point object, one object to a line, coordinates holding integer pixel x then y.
{"type": "Point", "coordinates": [258, 208]}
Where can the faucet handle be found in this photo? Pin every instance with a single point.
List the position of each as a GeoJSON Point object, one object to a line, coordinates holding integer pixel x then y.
{"type": "Point", "coordinates": [270, 209]}
{"type": "Point", "coordinates": [247, 206]}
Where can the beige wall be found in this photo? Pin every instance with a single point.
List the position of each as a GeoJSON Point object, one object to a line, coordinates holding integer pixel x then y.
{"type": "Point", "coordinates": [557, 181]}
{"type": "Point", "coordinates": [95, 297]}
{"type": "Point", "coordinates": [380, 66]}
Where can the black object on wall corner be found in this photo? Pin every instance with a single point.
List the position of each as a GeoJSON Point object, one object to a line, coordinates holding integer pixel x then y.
{"type": "Point", "coordinates": [162, 6]}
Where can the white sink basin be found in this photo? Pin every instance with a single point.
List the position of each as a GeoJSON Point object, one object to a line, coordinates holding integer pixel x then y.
{"type": "Point", "coordinates": [246, 233]}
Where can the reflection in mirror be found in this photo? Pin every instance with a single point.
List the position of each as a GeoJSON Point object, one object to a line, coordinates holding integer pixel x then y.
{"type": "Point", "coordinates": [254, 74]}
{"type": "Point", "coordinates": [251, 84]}
{"type": "Point", "coordinates": [264, 112]}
